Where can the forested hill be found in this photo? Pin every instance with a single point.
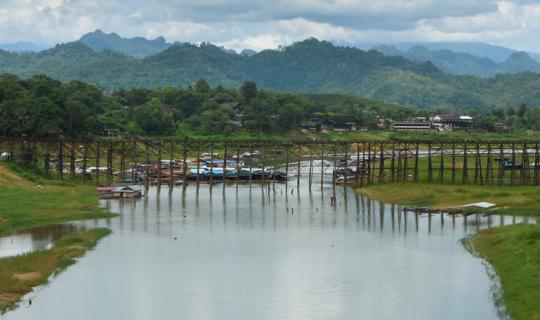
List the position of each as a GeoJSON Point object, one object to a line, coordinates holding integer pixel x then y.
{"type": "Point", "coordinates": [310, 66]}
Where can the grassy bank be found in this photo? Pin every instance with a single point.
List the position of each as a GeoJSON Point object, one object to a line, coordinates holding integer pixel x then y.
{"type": "Point", "coordinates": [509, 200]}
{"type": "Point", "coordinates": [514, 252]}
{"type": "Point", "coordinates": [28, 200]}
{"type": "Point", "coordinates": [18, 275]}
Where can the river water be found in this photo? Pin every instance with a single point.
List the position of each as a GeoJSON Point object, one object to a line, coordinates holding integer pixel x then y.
{"type": "Point", "coordinates": [256, 253]}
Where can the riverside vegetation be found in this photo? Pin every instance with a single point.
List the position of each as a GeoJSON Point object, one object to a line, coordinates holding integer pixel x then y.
{"type": "Point", "coordinates": [28, 200]}
{"type": "Point", "coordinates": [43, 107]}
{"type": "Point", "coordinates": [514, 251]}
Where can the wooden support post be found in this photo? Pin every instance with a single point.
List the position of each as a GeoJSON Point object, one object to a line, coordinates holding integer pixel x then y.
{"type": "Point", "coordinates": [274, 162]}
{"type": "Point", "coordinates": [393, 163]}
{"type": "Point", "coordinates": [524, 166]}
{"type": "Point", "coordinates": [298, 169]}
{"type": "Point", "coordinates": [46, 160]}
{"type": "Point", "coordinates": [500, 175]}
{"type": "Point", "coordinates": [430, 164]}
{"type": "Point", "coordinates": [441, 164]}
{"type": "Point", "coordinates": [373, 161]}
{"type": "Point", "coordinates": [322, 166]}
{"type": "Point", "coordinates": [147, 169]}
{"type": "Point", "coordinates": [369, 165]}
{"type": "Point", "coordinates": [199, 146]}
{"type": "Point", "coordinates": [334, 166]}
{"type": "Point", "coordinates": [11, 151]}
{"type": "Point", "coordinates": [97, 162]}
{"type": "Point", "coordinates": [211, 166]}
{"type": "Point", "coordinates": [453, 163]}
{"type": "Point", "coordinates": [478, 167]}
{"type": "Point", "coordinates": [72, 161]}
{"type": "Point", "coordinates": [264, 164]}
{"type": "Point", "coordinates": [357, 170]}
{"type": "Point", "coordinates": [184, 167]}
{"type": "Point", "coordinates": [489, 165]}
{"type": "Point", "coordinates": [381, 164]}
{"type": "Point", "coordinates": [134, 162]}
{"type": "Point", "coordinates": [159, 158]}
{"type": "Point", "coordinates": [310, 167]}
{"type": "Point", "coordinates": [237, 165]}
{"type": "Point", "coordinates": [85, 161]}
{"type": "Point", "coordinates": [416, 160]}
{"type": "Point", "coordinates": [225, 156]}
{"type": "Point", "coordinates": [513, 169]}
{"type": "Point", "coordinates": [287, 160]}
{"type": "Point", "coordinates": [60, 160]}
{"type": "Point", "coordinates": [123, 162]}
{"type": "Point", "coordinates": [110, 163]}
{"type": "Point", "coordinates": [536, 165]}
{"type": "Point", "coordinates": [364, 164]}
{"type": "Point", "coordinates": [399, 163]}
{"type": "Point", "coordinates": [346, 167]}
{"type": "Point", "coordinates": [465, 178]}
{"type": "Point", "coordinates": [406, 162]}
{"type": "Point", "coordinates": [171, 166]}
{"type": "Point", "coordinates": [250, 163]}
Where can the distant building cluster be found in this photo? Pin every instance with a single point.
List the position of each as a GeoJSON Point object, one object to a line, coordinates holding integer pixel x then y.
{"type": "Point", "coordinates": [443, 122]}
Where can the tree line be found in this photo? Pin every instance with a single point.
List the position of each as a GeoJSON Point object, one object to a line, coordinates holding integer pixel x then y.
{"type": "Point", "coordinates": [44, 107]}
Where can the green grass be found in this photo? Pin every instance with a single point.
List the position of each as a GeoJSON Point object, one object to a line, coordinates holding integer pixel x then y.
{"type": "Point", "coordinates": [518, 136]}
{"type": "Point", "coordinates": [514, 252]}
{"type": "Point", "coordinates": [24, 205]}
{"type": "Point", "coordinates": [509, 200]}
{"type": "Point", "coordinates": [19, 274]}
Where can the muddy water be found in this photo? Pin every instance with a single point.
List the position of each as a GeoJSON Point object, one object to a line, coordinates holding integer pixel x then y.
{"type": "Point", "coordinates": [258, 253]}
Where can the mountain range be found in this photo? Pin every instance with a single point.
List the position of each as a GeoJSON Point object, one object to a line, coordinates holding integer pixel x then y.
{"type": "Point", "coordinates": [138, 47]}
{"type": "Point", "coordinates": [21, 47]}
{"type": "Point", "coordinates": [310, 66]}
{"type": "Point", "coordinates": [465, 63]}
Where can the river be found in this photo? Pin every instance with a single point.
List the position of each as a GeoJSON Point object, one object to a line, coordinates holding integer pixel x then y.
{"type": "Point", "coordinates": [256, 253]}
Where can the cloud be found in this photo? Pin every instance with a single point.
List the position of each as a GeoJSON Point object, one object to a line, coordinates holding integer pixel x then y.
{"type": "Point", "coordinates": [263, 24]}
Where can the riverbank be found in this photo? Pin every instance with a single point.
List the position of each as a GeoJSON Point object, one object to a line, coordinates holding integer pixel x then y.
{"type": "Point", "coordinates": [523, 201]}
{"type": "Point", "coordinates": [19, 274]}
{"type": "Point", "coordinates": [28, 200]}
{"type": "Point", "coordinates": [514, 252]}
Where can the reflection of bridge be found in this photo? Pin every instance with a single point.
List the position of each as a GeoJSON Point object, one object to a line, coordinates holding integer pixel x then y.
{"type": "Point", "coordinates": [176, 161]}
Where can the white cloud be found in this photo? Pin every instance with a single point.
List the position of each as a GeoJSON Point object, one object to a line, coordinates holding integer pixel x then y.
{"type": "Point", "coordinates": [263, 24]}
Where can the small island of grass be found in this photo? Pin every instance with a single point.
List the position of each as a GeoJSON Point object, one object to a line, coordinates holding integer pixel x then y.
{"type": "Point", "coordinates": [19, 274]}
{"type": "Point", "coordinates": [514, 251]}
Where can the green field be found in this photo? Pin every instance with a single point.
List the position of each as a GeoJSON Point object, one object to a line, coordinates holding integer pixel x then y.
{"type": "Point", "coordinates": [509, 200]}
{"type": "Point", "coordinates": [33, 201]}
{"type": "Point", "coordinates": [514, 252]}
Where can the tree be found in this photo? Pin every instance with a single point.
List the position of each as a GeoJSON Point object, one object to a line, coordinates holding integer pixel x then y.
{"type": "Point", "coordinates": [522, 110]}
{"type": "Point", "coordinates": [249, 91]}
{"type": "Point", "coordinates": [201, 86]}
{"type": "Point", "coordinates": [154, 118]}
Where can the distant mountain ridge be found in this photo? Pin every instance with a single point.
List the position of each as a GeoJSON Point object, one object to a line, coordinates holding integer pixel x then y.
{"type": "Point", "coordinates": [21, 47]}
{"type": "Point", "coordinates": [138, 47]}
{"type": "Point", "coordinates": [310, 66]}
{"type": "Point", "coordinates": [465, 63]}
{"type": "Point", "coordinates": [483, 50]}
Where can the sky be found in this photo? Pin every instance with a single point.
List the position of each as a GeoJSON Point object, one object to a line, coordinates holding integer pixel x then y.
{"type": "Point", "coordinates": [258, 24]}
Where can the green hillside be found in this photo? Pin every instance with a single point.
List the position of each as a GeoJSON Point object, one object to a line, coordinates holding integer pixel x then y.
{"type": "Point", "coordinates": [310, 66]}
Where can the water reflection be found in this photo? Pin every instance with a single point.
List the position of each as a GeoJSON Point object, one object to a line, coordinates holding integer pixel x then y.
{"type": "Point", "coordinates": [255, 207]}
{"type": "Point", "coordinates": [272, 252]}
{"type": "Point", "coordinates": [33, 239]}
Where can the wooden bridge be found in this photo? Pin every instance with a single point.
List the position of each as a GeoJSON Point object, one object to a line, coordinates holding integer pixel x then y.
{"type": "Point", "coordinates": [179, 161]}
